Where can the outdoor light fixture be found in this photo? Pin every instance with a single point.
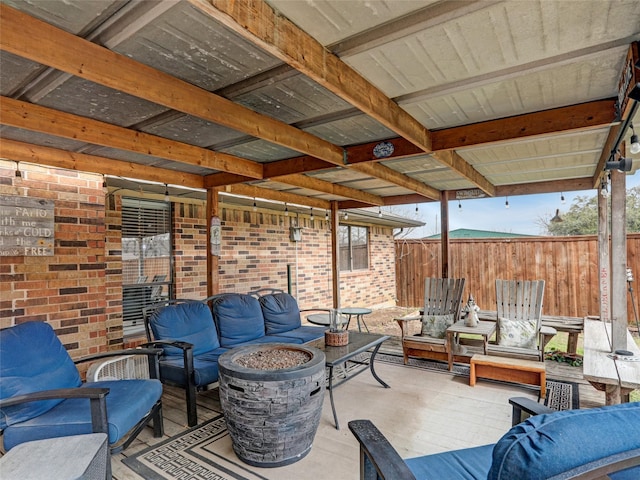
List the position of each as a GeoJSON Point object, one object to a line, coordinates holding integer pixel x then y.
{"type": "Point", "coordinates": [326, 215]}
{"type": "Point", "coordinates": [311, 217]}
{"type": "Point", "coordinates": [557, 218]}
{"type": "Point", "coordinates": [286, 210]}
{"type": "Point", "coordinates": [634, 93]}
{"type": "Point", "coordinates": [562, 200]}
{"type": "Point", "coordinates": [622, 165]}
{"type": "Point", "coordinates": [635, 144]}
{"type": "Point", "coordinates": [255, 206]}
{"type": "Point", "coordinates": [506, 203]}
{"type": "Point", "coordinates": [379, 212]}
{"type": "Point", "coordinates": [166, 193]}
{"type": "Point", "coordinates": [18, 172]}
{"type": "Point", "coordinates": [105, 188]}
{"type": "Point", "coordinates": [346, 216]}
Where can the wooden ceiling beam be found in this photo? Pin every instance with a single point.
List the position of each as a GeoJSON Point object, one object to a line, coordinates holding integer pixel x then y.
{"type": "Point", "coordinates": [257, 22]}
{"type": "Point", "coordinates": [276, 195]}
{"type": "Point", "coordinates": [391, 176]}
{"type": "Point", "coordinates": [19, 114]}
{"type": "Point", "coordinates": [614, 132]}
{"type": "Point", "coordinates": [553, 186]}
{"type": "Point", "coordinates": [406, 200]}
{"type": "Point", "coordinates": [43, 43]}
{"type": "Point", "coordinates": [364, 153]}
{"type": "Point", "coordinates": [291, 166]}
{"type": "Point", "coordinates": [55, 157]}
{"type": "Point", "coordinates": [304, 181]}
{"type": "Point", "coordinates": [224, 179]}
{"type": "Point", "coordinates": [575, 118]}
{"type": "Point", "coordinates": [459, 164]}
{"type": "Point", "coordinates": [591, 115]}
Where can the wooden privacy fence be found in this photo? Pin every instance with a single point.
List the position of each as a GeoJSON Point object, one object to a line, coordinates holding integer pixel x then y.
{"type": "Point", "coordinates": [569, 265]}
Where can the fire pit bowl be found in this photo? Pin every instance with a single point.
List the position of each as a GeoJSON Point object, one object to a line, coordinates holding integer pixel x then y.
{"type": "Point", "coordinates": [271, 397]}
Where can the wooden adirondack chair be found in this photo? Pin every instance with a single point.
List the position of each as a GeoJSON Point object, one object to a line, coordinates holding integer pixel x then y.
{"type": "Point", "coordinates": [519, 330]}
{"type": "Point", "coordinates": [442, 296]}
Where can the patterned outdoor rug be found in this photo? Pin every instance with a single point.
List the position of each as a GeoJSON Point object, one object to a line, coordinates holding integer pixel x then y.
{"type": "Point", "coordinates": [198, 454]}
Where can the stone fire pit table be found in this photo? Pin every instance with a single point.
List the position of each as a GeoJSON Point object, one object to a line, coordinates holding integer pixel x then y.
{"type": "Point", "coordinates": [271, 397]}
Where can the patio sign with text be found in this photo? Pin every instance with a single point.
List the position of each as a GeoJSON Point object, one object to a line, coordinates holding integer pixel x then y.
{"type": "Point", "coordinates": [26, 226]}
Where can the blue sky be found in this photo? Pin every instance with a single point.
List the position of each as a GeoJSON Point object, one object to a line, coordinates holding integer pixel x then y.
{"type": "Point", "coordinates": [491, 214]}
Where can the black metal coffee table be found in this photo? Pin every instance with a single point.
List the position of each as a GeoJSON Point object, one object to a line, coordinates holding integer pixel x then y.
{"type": "Point", "coordinates": [336, 356]}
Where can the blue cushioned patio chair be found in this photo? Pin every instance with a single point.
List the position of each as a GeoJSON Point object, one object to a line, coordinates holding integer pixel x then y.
{"type": "Point", "coordinates": [572, 444]}
{"type": "Point", "coordinates": [185, 331]}
{"type": "Point", "coordinates": [42, 395]}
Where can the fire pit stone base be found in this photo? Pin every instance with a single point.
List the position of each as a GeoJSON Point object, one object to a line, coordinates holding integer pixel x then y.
{"type": "Point", "coordinates": [272, 415]}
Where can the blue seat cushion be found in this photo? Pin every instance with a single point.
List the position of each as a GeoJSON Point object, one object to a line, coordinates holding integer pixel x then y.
{"type": "Point", "coordinates": [127, 402]}
{"type": "Point", "coordinates": [190, 322]}
{"type": "Point", "coordinates": [239, 319]}
{"type": "Point", "coordinates": [466, 464]}
{"type": "Point", "coordinates": [32, 359]}
{"type": "Point", "coordinates": [281, 313]}
{"type": "Point", "coordinates": [546, 445]}
{"type": "Point", "coordinates": [205, 368]}
{"type": "Point", "coordinates": [305, 333]}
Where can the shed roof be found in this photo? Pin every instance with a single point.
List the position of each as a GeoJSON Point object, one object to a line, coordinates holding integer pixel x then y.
{"type": "Point", "coordinates": [470, 233]}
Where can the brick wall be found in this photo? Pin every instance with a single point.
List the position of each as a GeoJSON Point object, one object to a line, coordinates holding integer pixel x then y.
{"type": "Point", "coordinates": [68, 289]}
{"type": "Point", "coordinates": [79, 289]}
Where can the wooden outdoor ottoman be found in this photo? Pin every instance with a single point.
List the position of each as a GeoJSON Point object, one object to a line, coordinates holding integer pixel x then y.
{"type": "Point", "coordinates": [529, 372]}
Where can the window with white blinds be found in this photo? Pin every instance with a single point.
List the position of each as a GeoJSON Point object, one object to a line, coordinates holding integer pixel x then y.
{"type": "Point", "coordinates": [146, 258]}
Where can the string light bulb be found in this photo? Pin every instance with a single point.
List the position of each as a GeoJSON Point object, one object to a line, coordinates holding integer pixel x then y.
{"type": "Point", "coordinates": [311, 217]}
{"type": "Point", "coordinates": [506, 203]}
{"type": "Point", "coordinates": [326, 215]}
{"type": "Point", "coordinates": [105, 188]}
{"type": "Point", "coordinates": [562, 199]}
{"type": "Point", "coordinates": [18, 172]}
{"type": "Point", "coordinates": [379, 212]}
{"type": "Point", "coordinates": [166, 193]}
{"type": "Point", "coordinates": [255, 205]}
{"type": "Point", "coordinates": [286, 210]}
{"type": "Point", "coordinates": [459, 206]}
{"type": "Point", "coordinates": [346, 215]}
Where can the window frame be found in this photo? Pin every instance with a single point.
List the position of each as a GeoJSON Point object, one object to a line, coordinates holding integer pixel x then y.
{"type": "Point", "coordinates": [351, 263]}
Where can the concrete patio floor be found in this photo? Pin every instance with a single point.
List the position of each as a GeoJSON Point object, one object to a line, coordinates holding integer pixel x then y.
{"type": "Point", "coordinates": [423, 412]}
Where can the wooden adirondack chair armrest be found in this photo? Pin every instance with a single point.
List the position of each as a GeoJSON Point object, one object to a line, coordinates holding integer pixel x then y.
{"type": "Point", "coordinates": [546, 334]}
{"type": "Point", "coordinates": [546, 330]}
{"type": "Point", "coordinates": [403, 322]}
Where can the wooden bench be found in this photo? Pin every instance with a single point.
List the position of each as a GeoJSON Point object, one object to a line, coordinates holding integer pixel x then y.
{"type": "Point", "coordinates": [508, 369]}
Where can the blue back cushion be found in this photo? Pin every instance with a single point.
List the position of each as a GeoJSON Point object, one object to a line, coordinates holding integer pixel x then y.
{"type": "Point", "coordinates": [281, 313]}
{"type": "Point", "coordinates": [32, 359]}
{"type": "Point", "coordinates": [238, 317]}
{"type": "Point", "coordinates": [546, 445]}
{"type": "Point", "coordinates": [190, 322]}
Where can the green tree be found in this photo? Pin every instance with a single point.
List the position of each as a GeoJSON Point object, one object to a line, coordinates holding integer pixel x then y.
{"type": "Point", "coordinates": [582, 216]}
